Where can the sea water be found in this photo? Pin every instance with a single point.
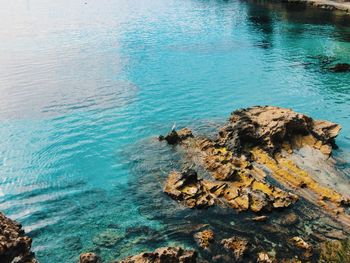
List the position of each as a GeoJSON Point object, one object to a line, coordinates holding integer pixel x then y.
{"type": "Point", "coordinates": [87, 85]}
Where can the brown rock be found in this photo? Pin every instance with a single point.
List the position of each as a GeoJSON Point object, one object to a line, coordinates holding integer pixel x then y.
{"type": "Point", "coordinates": [15, 246]}
{"type": "Point", "coordinates": [300, 243]}
{"type": "Point", "coordinates": [204, 238]}
{"type": "Point", "coordinates": [260, 218]}
{"type": "Point", "coordinates": [270, 127]}
{"type": "Point", "coordinates": [237, 246]}
{"type": "Point", "coordinates": [164, 255]}
{"type": "Point", "coordinates": [263, 257]}
{"type": "Point", "coordinates": [185, 187]}
{"type": "Point", "coordinates": [175, 137]}
{"type": "Point", "coordinates": [89, 258]}
{"type": "Point", "coordinates": [289, 219]}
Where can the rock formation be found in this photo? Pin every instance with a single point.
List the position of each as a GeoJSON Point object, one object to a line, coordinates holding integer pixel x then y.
{"type": "Point", "coordinates": [15, 246]}
{"type": "Point", "coordinates": [89, 258]}
{"type": "Point", "coordinates": [257, 143]}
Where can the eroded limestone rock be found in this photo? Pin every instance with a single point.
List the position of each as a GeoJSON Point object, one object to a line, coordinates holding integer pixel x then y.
{"type": "Point", "coordinates": [185, 187]}
{"type": "Point", "coordinates": [237, 246]}
{"type": "Point", "coordinates": [270, 127]}
{"type": "Point", "coordinates": [204, 238]}
{"type": "Point", "coordinates": [164, 255]}
{"type": "Point", "coordinates": [257, 143]}
{"type": "Point", "coordinates": [15, 246]}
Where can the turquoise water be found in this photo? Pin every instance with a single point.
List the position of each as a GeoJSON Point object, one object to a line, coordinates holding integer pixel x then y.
{"type": "Point", "coordinates": [85, 86]}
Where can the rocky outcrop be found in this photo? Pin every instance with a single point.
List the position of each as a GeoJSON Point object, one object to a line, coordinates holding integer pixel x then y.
{"type": "Point", "coordinates": [175, 137]}
{"type": "Point", "coordinates": [187, 188]}
{"type": "Point", "coordinates": [164, 255]}
{"type": "Point", "coordinates": [246, 194]}
{"type": "Point", "coordinates": [15, 246]}
{"type": "Point", "coordinates": [270, 128]}
{"type": "Point", "coordinates": [258, 143]}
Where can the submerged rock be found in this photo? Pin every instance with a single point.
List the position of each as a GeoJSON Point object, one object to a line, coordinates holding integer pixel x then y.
{"type": "Point", "coordinates": [237, 246]}
{"type": "Point", "coordinates": [15, 246]}
{"type": "Point", "coordinates": [164, 255]}
{"type": "Point", "coordinates": [335, 251]}
{"type": "Point", "coordinates": [204, 238]}
{"type": "Point", "coordinates": [107, 238]}
{"type": "Point", "coordinates": [340, 67]}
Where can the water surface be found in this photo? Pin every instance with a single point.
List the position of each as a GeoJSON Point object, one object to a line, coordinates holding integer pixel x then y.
{"type": "Point", "coordinates": [85, 85]}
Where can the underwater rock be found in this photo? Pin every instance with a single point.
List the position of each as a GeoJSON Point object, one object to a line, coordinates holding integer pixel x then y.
{"type": "Point", "coordinates": [204, 238]}
{"type": "Point", "coordinates": [263, 257]}
{"type": "Point", "coordinates": [164, 255]}
{"type": "Point", "coordinates": [107, 238]}
{"type": "Point", "coordinates": [15, 246]}
{"type": "Point", "coordinates": [340, 67]}
{"type": "Point", "coordinates": [289, 219]}
{"type": "Point", "coordinates": [237, 246]}
{"type": "Point", "coordinates": [300, 243]}
{"type": "Point", "coordinates": [269, 127]}
{"type": "Point", "coordinates": [175, 137]}
{"type": "Point", "coordinates": [335, 251]}
{"type": "Point", "coordinates": [89, 258]}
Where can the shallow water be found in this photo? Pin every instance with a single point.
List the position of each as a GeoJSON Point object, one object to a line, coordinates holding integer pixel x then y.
{"type": "Point", "coordinates": [85, 84]}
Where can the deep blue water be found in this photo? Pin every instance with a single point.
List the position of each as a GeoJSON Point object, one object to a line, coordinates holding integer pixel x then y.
{"type": "Point", "coordinates": [85, 86]}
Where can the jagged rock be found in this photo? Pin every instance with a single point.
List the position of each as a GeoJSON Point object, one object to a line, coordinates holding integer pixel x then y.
{"type": "Point", "coordinates": [237, 246]}
{"type": "Point", "coordinates": [204, 238]}
{"type": "Point", "coordinates": [185, 187]}
{"type": "Point", "coordinates": [246, 194]}
{"type": "Point", "coordinates": [269, 127]}
{"type": "Point", "coordinates": [15, 246]}
{"type": "Point", "coordinates": [340, 67]}
{"type": "Point", "coordinates": [263, 257]}
{"type": "Point", "coordinates": [300, 243]}
{"type": "Point", "coordinates": [175, 137]}
{"type": "Point", "coordinates": [164, 255]}
{"type": "Point", "coordinates": [89, 258]}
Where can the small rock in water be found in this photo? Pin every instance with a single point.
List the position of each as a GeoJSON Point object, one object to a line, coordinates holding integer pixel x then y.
{"type": "Point", "coordinates": [204, 238]}
{"type": "Point", "coordinates": [340, 67]}
{"type": "Point", "coordinates": [89, 258]}
{"type": "Point", "coordinates": [263, 257]}
{"type": "Point", "coordinates": [237, 246]}
{"type": "Point", "coordinates": [289, 219]}
{"type": "Point", "coordinates": [260, 218]}
{"type": "Point", "coordinates": [175, 137]}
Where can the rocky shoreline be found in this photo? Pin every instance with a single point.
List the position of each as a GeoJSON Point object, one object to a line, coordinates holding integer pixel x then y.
{"type": "Point", "coordinates": [15, 246]}
{"type": "Point", "coordinates": [266, 180]}
{"type": "Point", "coordinates": [340, 6]}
